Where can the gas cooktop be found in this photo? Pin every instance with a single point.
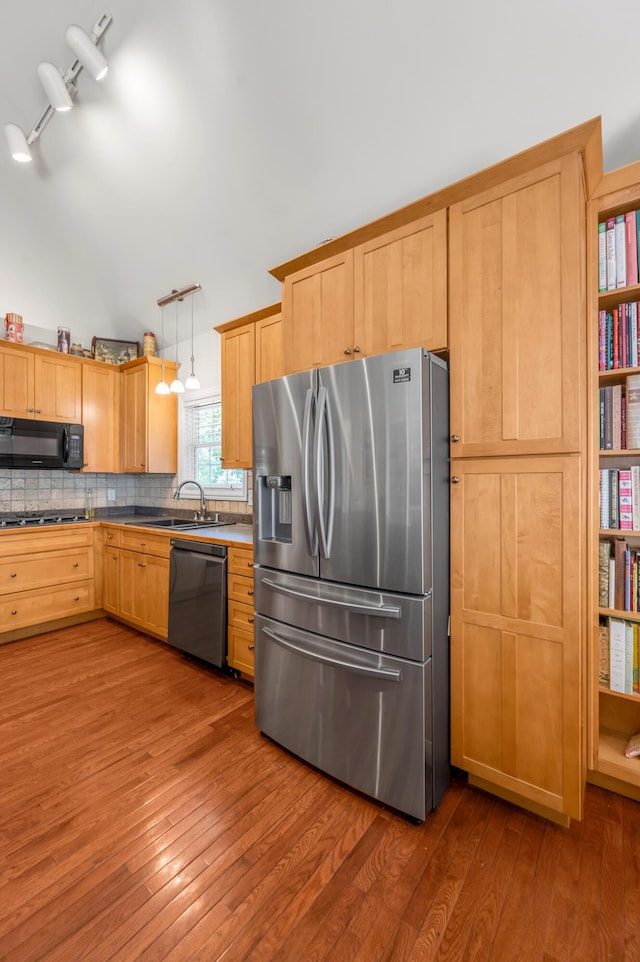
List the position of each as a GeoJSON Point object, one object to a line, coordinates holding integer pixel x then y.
{"type": "Point", "coordinates": [32, 519]}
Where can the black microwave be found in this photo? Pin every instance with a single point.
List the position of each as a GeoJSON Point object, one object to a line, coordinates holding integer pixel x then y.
{"type": "Point", "coordinates": [40, 444]}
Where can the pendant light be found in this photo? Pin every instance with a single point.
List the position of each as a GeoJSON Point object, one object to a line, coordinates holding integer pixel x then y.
{"type": "Point", "coordinates": [192, 383]}
{"type": "Point", "coordinates": [176, 386]}
{"type": "Point", "coordinates": [162, 387]}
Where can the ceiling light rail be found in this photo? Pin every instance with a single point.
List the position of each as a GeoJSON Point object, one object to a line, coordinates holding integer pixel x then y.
{"type": "Point", "coordinates": [178, 295]}
{"type": "Point", "coordinates": [60, 88]}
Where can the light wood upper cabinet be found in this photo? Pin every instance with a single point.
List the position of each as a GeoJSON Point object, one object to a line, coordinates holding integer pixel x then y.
{"type": "Point", "coordinates": [317, 314]}
{"type": "Point", "coordinates": [149, 420]}
{"type": "Point", "coordinates": [516, 617]}
{"type": "Point", "coordinates": [16, 382]}
{"type": "Point", "coordinates": [40, 384]}
{"type": "Point", "coordinates": [517, 309]}
{"type": "Point", "coordinates": [251, 351]}
{"type": "Point", "coordinates": [400, 292]}
{"type": "Point", "coordinates": [101, 416]}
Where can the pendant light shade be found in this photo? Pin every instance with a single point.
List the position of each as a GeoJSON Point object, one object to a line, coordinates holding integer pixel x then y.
{"type": "Point", "coordinates": [18, 144]}
{"type": "Point", "coordinates": [54, 86]}
{"type": "Point", "coordinates": [92, 59]}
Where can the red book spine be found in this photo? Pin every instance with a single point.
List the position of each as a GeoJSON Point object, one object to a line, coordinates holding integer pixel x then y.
{"type": "Point", "coordinates": [616, 339]}
{"type": "Point", "coordinates": [631, 247]}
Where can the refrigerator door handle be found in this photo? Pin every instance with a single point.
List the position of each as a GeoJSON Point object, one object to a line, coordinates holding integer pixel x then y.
{"type": "Point", "coordinates": [386, 674]}
{"type": "Point", "coordinates": [380, 611]}
{"type": "Point", "coordinates": [324, 428]}
{"type": "Point", "coordinates": [307, 441]}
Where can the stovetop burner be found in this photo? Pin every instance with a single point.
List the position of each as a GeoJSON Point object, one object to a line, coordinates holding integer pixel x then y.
{"type": "Point", "coordinates": [31, 519]}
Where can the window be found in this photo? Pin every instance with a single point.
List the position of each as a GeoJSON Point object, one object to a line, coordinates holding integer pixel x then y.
{"type": "Point", "coordinates": [201, 450]}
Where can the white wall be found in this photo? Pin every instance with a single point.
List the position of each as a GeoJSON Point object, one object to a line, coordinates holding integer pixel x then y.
{"type": "Point", "coordinates": [231, 136]}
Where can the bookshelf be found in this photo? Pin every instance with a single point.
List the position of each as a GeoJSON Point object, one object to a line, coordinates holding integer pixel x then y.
{"type": "Point", "coordinates": [613, 716]}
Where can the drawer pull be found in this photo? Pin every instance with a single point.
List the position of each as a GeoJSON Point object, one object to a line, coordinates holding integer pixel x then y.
{"type": "Point", "coordinates": [13, 574]}
{"type": "Point", "coordinates": [115, 557]}
{"type": "Point", "coordinates": [142, 564]}
{"type": "Point", "coordinates": [251, 647]}
{"type": "Point", "coordinates": [250, 591]}
{"type": "Point", "coordinates": [77, 598]}
{"type": "Point", "coordinates": [14, 612]}
{"type": "Point", "coordinates": [75, 564]}
{"type": "Point", "coordinates": [251, 620]}
{"type": "Point", "coordinates": [143, 544]}
{"type": "Point", "coordinates": [249, 564]}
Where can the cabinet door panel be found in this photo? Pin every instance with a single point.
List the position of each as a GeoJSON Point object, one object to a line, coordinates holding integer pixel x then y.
{"type": "Point", "coordinates": [16, 383]}
{"type": "Point", "coordinates": [269, 349]}
{"type": "Point", "coordinates": [101, 417]}
{"type": "Point", "coordinates": [401, 288]}
{"type": "Point", "coordinates": [317, 313]}
{"type": "Point", "coordinates": [238, 369]}
{"type": "Point", "coordinates": [58, 388]}
{"type": "Point", "coordinates": [517, 315]}
{"type": "Point", "coordinates": [134, 420]}
{"type": "Point", "coordinates": [516, 626]}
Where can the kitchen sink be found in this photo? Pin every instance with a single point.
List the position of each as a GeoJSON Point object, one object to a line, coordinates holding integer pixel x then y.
{"type": "Point", "coordinates": [178, 524]}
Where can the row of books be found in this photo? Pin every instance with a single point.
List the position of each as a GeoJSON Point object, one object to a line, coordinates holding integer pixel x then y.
{"type": "Point", "coordinates": [618, 337]}
{"type": "Point", "coordinates": [620, 415]}
{"type": "Point", "coordinates": [618, 251]}
{"type": "Point", "coordinates": [619, 653]}
{"type": "Point", "coordinates": [620, 498]}
{"type": "Point", "coordinates": [618, 576]}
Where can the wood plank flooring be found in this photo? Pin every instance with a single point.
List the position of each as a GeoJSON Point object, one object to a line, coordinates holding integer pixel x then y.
{"type": "Point", "coordinates": [143, 817]}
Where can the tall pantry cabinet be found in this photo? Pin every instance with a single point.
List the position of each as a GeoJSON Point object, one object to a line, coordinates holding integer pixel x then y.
{"type": "Point", "coordinates": [614, 715]}
{"type": "Point", "coordinates": [517, 381]}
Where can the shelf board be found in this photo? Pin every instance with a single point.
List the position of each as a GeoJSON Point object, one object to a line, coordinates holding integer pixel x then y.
{"type": "Point", "coordinates": [612, 760]}
{"type": "Point", "coordinates": [620, 453]}
{"type": "Point", "coordinates": [621, 615]}
{"type": "Point", "coordinates": [621, 295]}
{"type": "Point", "coordinates": [619, 694]}
{"type": "Point", "coordinates": [619, 533]}
{"type": "Point", "coordinates": [617, 373]}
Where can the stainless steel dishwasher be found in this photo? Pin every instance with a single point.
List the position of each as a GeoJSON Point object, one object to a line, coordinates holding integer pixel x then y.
{"type": "Point", "coordinates": [198, 600]}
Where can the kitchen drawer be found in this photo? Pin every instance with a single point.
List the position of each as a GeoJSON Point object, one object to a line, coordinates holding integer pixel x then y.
{"type": "Point", "coordinates": [240, 588]}
{"type": "Point", "coordinates": [36, 607]}
{"type": "Point", "coordinates": [239, 615]}
{"type": "Point", "coordinates": [47, 538]}
{"type": "Point", "coordinates": [240, 561]}
{"type": "Point", "coordinates": [45, 569]}
{"type": "Point", "coordinates": [241, 650]}
{"type": "Point", "coordinates": [111, 537]}
{"type": "Point", "coordinates": [156, 544]}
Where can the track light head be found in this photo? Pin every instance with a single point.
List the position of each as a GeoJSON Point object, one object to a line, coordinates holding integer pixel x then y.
{"type": "Point", "coordinates": [18, 144]}
{"type": "Point", "coordinates": [54, 86]}
{"type": "Point", "coordinates": [92, 59]}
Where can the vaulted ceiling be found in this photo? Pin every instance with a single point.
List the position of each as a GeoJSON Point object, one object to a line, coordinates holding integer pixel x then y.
{"type": "Point", "coordinates": [231, 135]}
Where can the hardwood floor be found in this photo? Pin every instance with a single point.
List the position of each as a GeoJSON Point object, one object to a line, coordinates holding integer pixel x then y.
{"type": "Point", "coordinates": [143, 817]}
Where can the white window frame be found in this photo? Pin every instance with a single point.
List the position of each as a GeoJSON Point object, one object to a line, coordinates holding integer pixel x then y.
{"type": "Point", "coordinates": [185, 469]}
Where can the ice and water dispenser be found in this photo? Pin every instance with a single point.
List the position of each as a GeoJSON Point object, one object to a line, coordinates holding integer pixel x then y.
{"type": "Point", "coordinates": [274, 492]}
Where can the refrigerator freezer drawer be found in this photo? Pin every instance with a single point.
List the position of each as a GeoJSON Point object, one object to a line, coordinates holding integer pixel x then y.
{"type": "Point", "coordinates": [392, 624]}
{"type": "Point", "coordinates": [356, 715]}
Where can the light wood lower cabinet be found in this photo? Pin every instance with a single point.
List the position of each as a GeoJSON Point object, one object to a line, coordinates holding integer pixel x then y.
{"type": "Point", "coordinates": [135, 579]}
{"type": "Point", "coordinates": [46, 576]}
{"type": "Point", "coordinates": [240, 636]}
{"type": "Point", "coordinates": [516, 629]}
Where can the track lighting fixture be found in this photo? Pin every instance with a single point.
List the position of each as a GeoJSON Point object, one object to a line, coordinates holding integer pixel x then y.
{"type": "Point", "coordinates": [60, 87]}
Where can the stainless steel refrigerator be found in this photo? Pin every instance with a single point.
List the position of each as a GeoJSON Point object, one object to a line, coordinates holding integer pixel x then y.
{"type": "Point", "coordinates": [351, 545]}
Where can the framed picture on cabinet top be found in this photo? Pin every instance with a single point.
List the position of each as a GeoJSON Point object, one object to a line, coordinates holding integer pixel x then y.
{"type": "Point", "coordinates": [114, 352]}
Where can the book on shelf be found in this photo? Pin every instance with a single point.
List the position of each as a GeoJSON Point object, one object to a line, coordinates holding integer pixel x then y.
{"type": "Point", "coordinates": [619, 553]}
{"type": "Point", "coordinates": [602, 340]}
{"type": "Point", "coordinates": [616, 417]}
{"type": "Point", "coordinates": [621, 252]}
{"type": "Point", "coordinates": [611, 253]}
{"type": "Point", "coordinates": [612, 583]}
{"type": "Point", "coordinates": [616, 654]}
{"type": "Point", "coordinates": [635, 685]}
{"type": "Point", "coordinates": [603, 636]}
{"type": "Point", "coordinates": [625, 496]}
{"type": "Point", "coordinates": [605, 507]}
{"type": "Point", "coordinates": [607, 433]}
{"type": "Point", "coordinates": [635, 495]}
{"type": "Point", "coordinates": [628, 657]}
{"type": "Point", "coordinates": [632, 397]}
{"type": "Point", "coordinates": [631, 247]}
{"type": "Point", "coordinates": [602, 256]}
{"type": "Point", "coordinates": [604, 556]}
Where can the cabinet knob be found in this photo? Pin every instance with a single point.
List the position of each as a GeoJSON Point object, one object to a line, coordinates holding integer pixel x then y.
{"type": "Point", "coordinates": [251, 647]}
{"type": "Point", "coordinates": [75, 564]}
{"type": "Point", "coordinates": [77, 598]}
{"type": "Point", "coordinates": [249, 564]}
{"type": "Point", "coordinates": [142, 564]}
{"type": "Point", "coordinates": [347, 350]}
{"type": "Point", "coordinates": [14, 612]}
{"type": "Point", "coordinates": [115, 557]}
{"type": "Point", "coordinates": [356, 349]}
{"type": "Point", "coordinates": [30, 410]}
{"type": "Point", "coordinates": [250, 591]}
{"type": "Point", "coordinates": [13, 574]}
{"type": "Point", "coordinates": [251, 620]}
{"type": "Point", "coordinates": [38, 410]}
{"type": "Point", "coordinates": [109, 537]}
{"type": "Point", "coordinates": [455, 438]}
{"type": "Point", "coordinates": [455, 479]}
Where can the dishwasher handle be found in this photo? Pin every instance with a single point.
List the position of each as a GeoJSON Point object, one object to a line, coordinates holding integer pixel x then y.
{"type": "Point", "coordinates": [385, 674]}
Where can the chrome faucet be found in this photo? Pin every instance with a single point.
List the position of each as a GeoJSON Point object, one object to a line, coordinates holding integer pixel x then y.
{"type": "Point", "coordinates": [202, 513]}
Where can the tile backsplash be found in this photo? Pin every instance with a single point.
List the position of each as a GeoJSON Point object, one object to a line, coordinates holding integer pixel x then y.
{"type": "Point", "coordinates": [51, 490]}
